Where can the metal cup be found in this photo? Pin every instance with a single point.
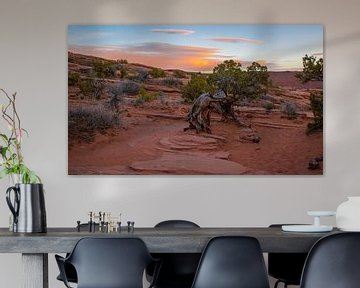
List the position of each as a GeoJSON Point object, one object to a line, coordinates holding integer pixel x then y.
{"type": "Point", "coordinates": [28, 208]}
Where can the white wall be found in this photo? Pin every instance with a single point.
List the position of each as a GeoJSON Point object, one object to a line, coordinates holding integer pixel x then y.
{"type": "Point", "coordinates": [33, 62]}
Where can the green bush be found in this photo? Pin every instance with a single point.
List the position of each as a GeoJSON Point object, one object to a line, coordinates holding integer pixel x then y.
{"type": "Point", "coordinates": [269, 106]}
{"type": "Point", "coordinates": [123, 72]}
{"type": "Point", "coordinates": [86, 87]}
{"type": "Point", "coordinates": [73, 78]}
{"type": "Point", "coordinates": [312, 69]}
{"type": "Point", "coordinates": [157, 73]}
{"type": "Point", "coordinates": [316, 104]}
{"type": "Point", "coordinates": [104, 68]}
{"type": "Point", "coordinates": [147, 96]}
{"type": "Point", "coordinates": [197, 85]}
{"type": "Point", "coordinates": [84, 122]}
{"type": "Point", "coordinates": [119, 70]}
{"type": "Point", "coordinates": [239, 84]}
{"type": "Point", "coordinates": [92, 88]}
{"type": "Point", "coordinates": [122, 61]}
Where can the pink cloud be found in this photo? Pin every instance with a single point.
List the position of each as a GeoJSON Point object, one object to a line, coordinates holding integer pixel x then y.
{"type": "Point", "coordinates": [169, 49]}
{"type": "Point", "coordinates": [236, 40]}
{"type": "Point", "coordinates": [173, 31]}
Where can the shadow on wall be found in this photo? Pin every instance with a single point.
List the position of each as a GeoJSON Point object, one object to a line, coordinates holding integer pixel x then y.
{"type": "Point", "coordinates": [353, 37]}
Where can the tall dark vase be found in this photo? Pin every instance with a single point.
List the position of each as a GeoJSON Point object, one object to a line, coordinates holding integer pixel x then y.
{"type": "Point", "coordinates": [27, 204]}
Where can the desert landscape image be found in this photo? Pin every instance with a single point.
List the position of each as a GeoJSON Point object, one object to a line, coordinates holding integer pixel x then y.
{"type": "Point", "coordinates": [195, 100]}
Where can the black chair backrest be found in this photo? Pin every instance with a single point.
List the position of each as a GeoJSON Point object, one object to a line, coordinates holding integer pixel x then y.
{"type": "Point", "coordinates": [333, 262]}
{"type": "Point", "coordinates": [110, 262]}
{"type": "Point", "coordinates": [232, 262]}
{"type": "Point", "coordinates": [178, 269]}
{"type": "Point", "coordinates": [176, 224]}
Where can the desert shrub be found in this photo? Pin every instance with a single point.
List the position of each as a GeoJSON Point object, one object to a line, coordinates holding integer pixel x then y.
{"type": "Point", "coordinates": [92, 88]}
{"type": "Point", "coordinates": [86, 87]}
{"type": "Point", "coordinates": [316, 104]}
{"type": "Point", "coordinates": [73, 78]}
{"type": "Point", "coordinates": [130, 87]}
{"type": "Point", "coordinates": [289, 109]}
{"type": "Point", "coordinates": [142, 75]}
{"type": "Point", "coordinates": [115, 91]}
{"type": "Point", "coordinates": [157, 73]}
{"type": "Point", "coordinates": [122, 61]}
{"type": "Point", "coordinates": [171, 81]}
{"type": "Point", "coordinates": [104, 68]}
{"type": "Point", "coordinates": [99, 87]}
{"type": "Point", "coordinates": [139, 101]}
{"type": "Point", "coordinates": [197, 85]}
{"type": "Point", "coordinates": [251, 83]}
{"type": "Point", "coordinates": [148, 96]}
{"type": "Point", "coordinates": [123, 71]}
{"type": "Point", "coordinates": [179, 74]}
{"type": "Point", "coordinates": [312, 69]}
{"type": "Point", "coordinates": [256, 81]}
{"type": "Point", "coordinates": [119, 70]}
{"type": "Point", "coordinates": [268, 105]}
{"type": "Point", "coordinates": [84, 122]}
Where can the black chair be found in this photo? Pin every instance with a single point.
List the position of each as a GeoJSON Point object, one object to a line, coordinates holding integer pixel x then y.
{"type": "Point", "coordinates": [108, 263]}
{"type": "Point", "coordinates": [333, 262]}
{"type": "Point", "coordinates": [69, 269]}
{"type": "Point", "coordinates": [286, 267]}
{"type": "Point", "coordinates": [178, 269]}
{"type": "Point", "coordinates": [232, 262]}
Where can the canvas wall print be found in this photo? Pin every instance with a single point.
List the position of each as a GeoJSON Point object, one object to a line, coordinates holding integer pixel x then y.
{"type": "Point", "coordinates": [195, 100]}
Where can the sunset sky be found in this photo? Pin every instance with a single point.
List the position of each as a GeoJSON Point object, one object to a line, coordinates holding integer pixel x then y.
{"type": "Point", "coordinates": [199, 47]}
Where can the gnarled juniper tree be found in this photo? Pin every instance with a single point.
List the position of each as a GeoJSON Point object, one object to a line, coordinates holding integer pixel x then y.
{"type": "Point", "coordinates": [233, 85]}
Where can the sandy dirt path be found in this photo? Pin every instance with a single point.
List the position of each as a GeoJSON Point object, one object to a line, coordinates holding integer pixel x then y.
{"type": "Point", "coordinates": [157, 145]}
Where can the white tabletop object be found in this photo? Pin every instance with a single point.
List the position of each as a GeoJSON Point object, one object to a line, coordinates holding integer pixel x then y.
{"type": "Point", "coordinates": [316, 227]}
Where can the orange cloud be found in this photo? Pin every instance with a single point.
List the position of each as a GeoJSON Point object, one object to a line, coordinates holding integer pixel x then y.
{"type": "Point", "coordinates": [187, 58]}
{"type": "Point", "coordinates": [164, 55]}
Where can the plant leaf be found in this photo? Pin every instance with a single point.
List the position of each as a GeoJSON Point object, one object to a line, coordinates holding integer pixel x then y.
{"type": "Point", "coordinates": [5, 138]}
{"type": "Point", "coordinates": [4, 173]}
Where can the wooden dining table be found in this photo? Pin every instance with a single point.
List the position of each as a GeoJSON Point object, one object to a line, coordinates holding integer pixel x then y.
{"type": "Point", "coordinates": [35, 247]}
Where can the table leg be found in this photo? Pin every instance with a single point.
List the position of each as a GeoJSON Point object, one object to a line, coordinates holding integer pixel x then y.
{"type": "Point", "coordinates": [35, 270]}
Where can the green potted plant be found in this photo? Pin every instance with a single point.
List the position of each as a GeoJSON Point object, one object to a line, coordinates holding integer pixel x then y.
{"type": "Point", "coordinates": [11, 159]}
{"type": "Point", "coordinates": [26, 197]}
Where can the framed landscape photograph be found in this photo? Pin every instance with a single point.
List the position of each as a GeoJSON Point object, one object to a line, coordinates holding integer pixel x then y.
{"type": "Point", "coordinates": [195, 99]}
